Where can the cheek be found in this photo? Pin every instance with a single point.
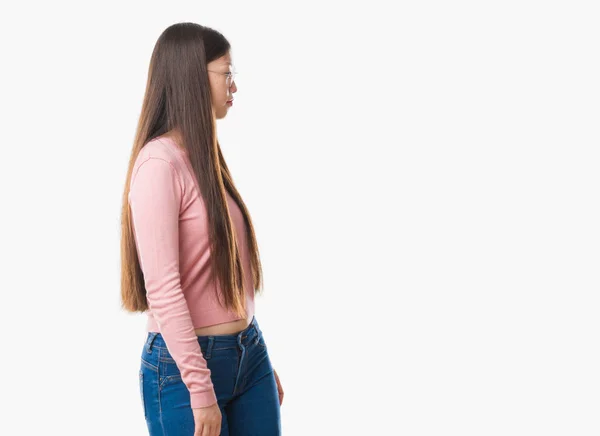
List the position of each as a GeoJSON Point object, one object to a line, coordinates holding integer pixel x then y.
{"type": "Point", "coordinates": [216, 92]}
{"type": "Point", "coordinates": [219, 98]}
{"type": "Point", "coordinates": [220, 94]}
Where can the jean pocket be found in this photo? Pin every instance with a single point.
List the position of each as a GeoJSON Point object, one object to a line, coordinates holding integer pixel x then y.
{"type": "Point", "coordinates": [168, 372]}
{"type": "Point", "coordinates": [166, 380]}
{"type": "Point", "coordinates": [141, 382]}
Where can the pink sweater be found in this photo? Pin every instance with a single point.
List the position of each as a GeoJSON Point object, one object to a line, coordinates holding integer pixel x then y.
{"type": "Point", "coordinates": [169, 221]}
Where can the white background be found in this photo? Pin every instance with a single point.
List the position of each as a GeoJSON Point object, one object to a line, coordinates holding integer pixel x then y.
{"type": "Point", "coordinates": [424, 182]}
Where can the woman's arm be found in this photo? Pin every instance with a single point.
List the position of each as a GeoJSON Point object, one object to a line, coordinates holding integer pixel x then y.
{"type": "Point", "coordinates": [155, 200]}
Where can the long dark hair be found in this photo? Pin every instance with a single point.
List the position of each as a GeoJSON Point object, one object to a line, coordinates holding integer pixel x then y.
{"type": "Point", "coordinates": [178, 97]}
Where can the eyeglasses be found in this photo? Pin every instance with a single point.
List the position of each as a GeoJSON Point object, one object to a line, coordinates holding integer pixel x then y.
{"type": "Point", "coordinates": [230, 76]}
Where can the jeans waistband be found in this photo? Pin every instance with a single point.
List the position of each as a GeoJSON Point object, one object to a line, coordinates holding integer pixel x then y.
{"type": "Point", "coordinates": [155, 339]}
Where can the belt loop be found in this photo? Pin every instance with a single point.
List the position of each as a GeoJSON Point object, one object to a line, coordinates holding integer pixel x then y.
{"type": "Point", "coordinates": [150, 340]}
{"type": "Point", "coordinates": [209, 347]}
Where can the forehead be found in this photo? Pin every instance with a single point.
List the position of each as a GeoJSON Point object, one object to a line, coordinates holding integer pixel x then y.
{"type": "Point", "coordinates": [223, 61]}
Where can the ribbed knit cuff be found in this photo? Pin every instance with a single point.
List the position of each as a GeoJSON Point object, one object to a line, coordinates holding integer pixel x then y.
{"type": "Point", "coordinates": [203, 399]}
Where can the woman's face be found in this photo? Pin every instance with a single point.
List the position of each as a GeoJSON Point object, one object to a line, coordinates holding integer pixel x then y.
{"type": "Point", "coordinates": [220, 86]}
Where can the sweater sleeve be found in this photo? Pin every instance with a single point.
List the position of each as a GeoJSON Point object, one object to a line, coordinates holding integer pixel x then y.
{"type": "Point", "coordinates": [155, 199]}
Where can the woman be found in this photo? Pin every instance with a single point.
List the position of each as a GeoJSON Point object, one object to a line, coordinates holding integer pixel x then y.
{"type": "Point", "coordinates": [189, 252]}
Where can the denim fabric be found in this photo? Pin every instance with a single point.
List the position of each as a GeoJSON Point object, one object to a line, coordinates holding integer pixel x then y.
{"type": "Point", "coordinates": [243, 380]}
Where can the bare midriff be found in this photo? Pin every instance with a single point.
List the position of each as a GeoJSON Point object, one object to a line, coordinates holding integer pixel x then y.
{"type": "Point", "coordinates": [226, 328]}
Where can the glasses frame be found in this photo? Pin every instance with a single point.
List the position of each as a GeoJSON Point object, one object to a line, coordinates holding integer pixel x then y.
{"type": "Point", "coordinates": [230, 75]}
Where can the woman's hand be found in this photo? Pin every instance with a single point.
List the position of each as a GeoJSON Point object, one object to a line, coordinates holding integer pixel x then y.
{"type": "Point", "coordinates": [207, 420]}
{"type": "Point", "coordinates": [279, 388]}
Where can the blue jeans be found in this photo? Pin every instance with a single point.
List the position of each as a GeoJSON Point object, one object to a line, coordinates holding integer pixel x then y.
{"type": "Point", "coordinates": [242, 377]}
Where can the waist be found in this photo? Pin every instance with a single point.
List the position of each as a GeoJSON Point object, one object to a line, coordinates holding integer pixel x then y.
{"type": "Point", "coordinates": [226, 328]}
{"type": "Point", "coordinates": [250, 333]}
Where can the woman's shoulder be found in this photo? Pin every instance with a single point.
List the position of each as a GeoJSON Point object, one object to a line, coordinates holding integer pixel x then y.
{"type": "Point", "coordinates": [159, 149]}
{"type": "Point", "coordinates": [163, 149]}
